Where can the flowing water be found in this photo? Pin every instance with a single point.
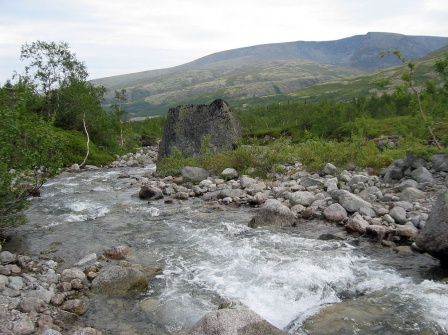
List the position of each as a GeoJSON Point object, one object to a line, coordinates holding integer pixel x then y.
{"type": "Point", "coordinates": [210, 258]}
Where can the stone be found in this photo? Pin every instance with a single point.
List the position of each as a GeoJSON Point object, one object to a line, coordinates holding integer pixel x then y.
{"type": "Point", "coordinates": [86, 259]}
{"type": "Point", "coordinates": [32, 304]}
{"type": "Point", "coordinates": [50, 332]}
{"type": "Point", "coordinates": [351, 202]}
{"type": "Point", "coordinates": [15, 283]}
{"type": "Point", "coordinates": [406, 184]}
{"type": "Point", "coordinates": [73, 273]}
{"type": "Point", "coordinates": [7, 258]}
{"type": "Point", "coordinates": [422, 175]}
{"type": "Point", "coordinates": [23, 326]}
{"type": "Point", "coordinates": [75, 306]}
{"type": "Point", "coordinates": [233, 322]}
{"type": "Point", "coordinates": [3, 282]}
{"type": "Point", "coordinates": [398, 214]}
{"type": "Point", "coordinates": [247, 182]}
{"type": "Point", "coordinates": [117, 280]}
{"type": "Point", "coordinates": [330, 169]}
{"type": "Point", "coordinates": [303, 198]}
{"type": "Point", "coordinates": [335, 213]}
{"type": "Point", "coordinates": [433, 238]}
{"type": "Point", "coordinates": [150, 193]}
{"type": "Point", "coordinates": [356, 224]}
{"type": "Point", "coordinates": [41, 293]}
{"type": "Point", "coordinates": [229, 173]}
{"type": "Point", "coordinates": [57, 299]}
{"type": "Point", "coordinates": [188, 125]}
{"type": "Point", "coordinates": [411, 194]}
{"type": "Point", "coordinates": [378, 232]}
{"type": "Point", "coordinates": [273, 213]}
{"type": "Point", "coordinates": [440, 162]}
{"type": "Point", "coordinates": [194, 174]}
{"type": "Point", "coordinates": [407, 232]}
{"type": "Point", "coordinates": [87, 331]}
{"type": "Point", "coordinates": [117, 253]}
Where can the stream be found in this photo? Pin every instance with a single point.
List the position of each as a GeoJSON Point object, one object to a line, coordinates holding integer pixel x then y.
{"type": "Point", "coordinates": [210, 258]}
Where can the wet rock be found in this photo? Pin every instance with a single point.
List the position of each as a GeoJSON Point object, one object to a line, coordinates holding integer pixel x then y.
{"type": "Point", "coordinates": [117, 280]}
{"type": "Point", "coordinates": [335, 213]}
{"type": "Point", "coordinates": [119, 252]}
{"type": "Point", "coordinates": [233, 322]}
{"type": "Point", "coordinates": [7, 258]}
{"type": "Point", "coordinates": [87, 259]}
{"type": "Point", "coordinates": [433, 238]}
{"type": "Point", "coordinates": [356, 224]}
{"type": "Point", "coordinates": [75, 306]}
{"type": "Point", "coordinates": [73, 273]}
{"type": "Point", "coordinates": [273, 213]}
{"type": "Point", "coordinates": [150, 193]}
{"type": "Point", "coordinates": [377, 232]}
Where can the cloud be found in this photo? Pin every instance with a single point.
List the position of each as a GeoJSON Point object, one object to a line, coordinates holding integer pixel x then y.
{"type": "Point", "coordinates": [116, 37]}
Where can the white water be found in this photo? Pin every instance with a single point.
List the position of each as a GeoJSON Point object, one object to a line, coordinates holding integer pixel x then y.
{"type": "Point", "coordinates": [211, 258]}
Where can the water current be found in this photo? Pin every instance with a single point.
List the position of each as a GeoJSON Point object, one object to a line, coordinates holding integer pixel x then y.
{"type": "Point", "coordinates": [210, 258]}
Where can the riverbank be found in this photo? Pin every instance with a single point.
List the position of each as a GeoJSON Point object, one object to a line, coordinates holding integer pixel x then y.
{"type": "Point", "coordinates": [304, 195]}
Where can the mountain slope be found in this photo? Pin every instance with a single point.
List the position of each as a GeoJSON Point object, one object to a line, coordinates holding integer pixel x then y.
{"type": "Point", "coordinates": [264, 70]}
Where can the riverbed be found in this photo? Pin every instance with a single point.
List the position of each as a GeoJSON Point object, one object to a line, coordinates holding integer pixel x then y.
{"type": "Point", "coordinates": [211, 259]}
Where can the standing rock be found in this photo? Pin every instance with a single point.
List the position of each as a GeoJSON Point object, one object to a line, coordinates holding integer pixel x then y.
{"type": "Point", "coordinates": [233, 322]}
{"type": "Point", "coordinates": [433, 238]}
{"type": "Point", "coordinates": [273, 213]}
{"type": "Point", "coordinates": [186, 127]}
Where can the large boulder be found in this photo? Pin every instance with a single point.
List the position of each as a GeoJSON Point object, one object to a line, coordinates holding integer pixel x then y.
{"type": "Point", "coordinates": [119, 281]}
{"type": "Point", "coordinates": [273, 213]}
{"type": "Point", "coordinates": [194, 174]}
{"type": "Point", "coordinates": [433, 238]}
{"type": "Point", "coordinates": [233, 322]}
{"type": "Point", "coordinates": [188, 125]}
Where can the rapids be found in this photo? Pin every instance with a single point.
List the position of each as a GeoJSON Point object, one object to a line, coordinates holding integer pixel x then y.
{"type": "Point", "coordinates": [210, 258]}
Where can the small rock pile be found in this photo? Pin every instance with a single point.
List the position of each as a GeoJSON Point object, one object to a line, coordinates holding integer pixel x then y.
{"type": "Point", "coordinates": [36, 299]}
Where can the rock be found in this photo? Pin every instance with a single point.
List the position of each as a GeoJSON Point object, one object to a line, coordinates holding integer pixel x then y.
{"type": "Point", "coordinates": [411, 194]}
{"type": "Point", "coordinates": [406, 184]}
{"type": "Point", "coordinates": [335, 213]}
{"type": "Point", "coordinates": [41, 293]}
{"type": "Point", "coordinates": [440, 162]}
{"type": "Point", "coordinates": [75, 306]}
{"type": "Point", "coordinates": [150, 193]}
{"type": "Point", "coordinates": [377, 232]}
{"type": "Point", "coordinates": [73, 273]}
{"type": "Point", "coordinates": [32, 304]}
{"type": "Point", "coordinates": [7, 258]}
{"type": "Point", "coordinates": [259, 198]}
{"type": "Point", "coordinates": [422, 175]}
{"type": "Point", "coordinates": [330, 169]}
{"type": "Point", "coordinates": [3, 282]}
{"type": "Point", "coordinates": [86, 259]}
{"type": "Point", "coordinates": [120, 252]}
{"type": "Point", "coordinates": [433, 238]}
{"type": "Point", "coordinates": [349, 201]}
{"type": "Point", "coordinates": [186, 127]}
{"type": "Point", "coordinates": [233, 322]}
{"type": "Point", "coordinates": [23, 326]}
{"type": "Point", "coordinates": [87, 331]}
{"type": "Point", "coordinates": [398, 214]}
{"type": "Point", "coordinates": [15, 283]}
{"type": "Point", "coordinates": [51, 332]}
{"type": "Point", "coordinates": [303, 198]}
{"type": "Point", "coordinates": [247, 182]}
{"type": "Point", "coordinates": [273, 213]}
{"type": "Point", "coordinates": [407, 232]}
{"type": "Point", "coordinates": [194, 174]}
{"type": "Point", "coordinates": [229, 173]}
{"type": "Point", "coordinates": [181, 196]}
{"type": "Point", "coordinates": [117, 280]}
{"type": "Point", "coordinates": [356, 224]}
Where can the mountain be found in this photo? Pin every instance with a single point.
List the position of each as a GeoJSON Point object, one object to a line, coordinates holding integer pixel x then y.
{"type": "Point", "coordinates": [258, 71]}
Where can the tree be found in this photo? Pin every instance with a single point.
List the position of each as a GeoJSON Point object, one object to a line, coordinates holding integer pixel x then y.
{"type": "Point", "coordinates": [119, 113]}
{"type": "Point", "coordinates": [29, 154]}
{"type": "Point", "coordinates": [52, 66]}
{"type": "Point", "coordinates": [407, 78]}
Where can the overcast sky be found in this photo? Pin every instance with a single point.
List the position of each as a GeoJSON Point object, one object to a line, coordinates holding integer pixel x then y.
{"type": "Point", "coordinates": [117, 37]}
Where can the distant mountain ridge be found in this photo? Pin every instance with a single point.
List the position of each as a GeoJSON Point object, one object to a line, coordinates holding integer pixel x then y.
{"type": "Point", "coordinates": [263, 70]}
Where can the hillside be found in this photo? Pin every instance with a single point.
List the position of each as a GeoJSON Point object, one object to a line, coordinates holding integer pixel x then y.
{"type": "Point", "coordinates": [248, 74]}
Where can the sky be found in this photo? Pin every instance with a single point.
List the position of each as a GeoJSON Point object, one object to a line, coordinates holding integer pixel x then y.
{"type": "Point", "coordinates": [114, 37]}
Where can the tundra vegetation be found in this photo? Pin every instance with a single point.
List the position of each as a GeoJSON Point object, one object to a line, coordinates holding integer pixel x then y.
{"type": "Point", "coordinates": [52, 117]}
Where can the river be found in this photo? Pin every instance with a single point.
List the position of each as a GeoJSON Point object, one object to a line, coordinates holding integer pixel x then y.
{"type": "Point", "coordinates": [210, 258]}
